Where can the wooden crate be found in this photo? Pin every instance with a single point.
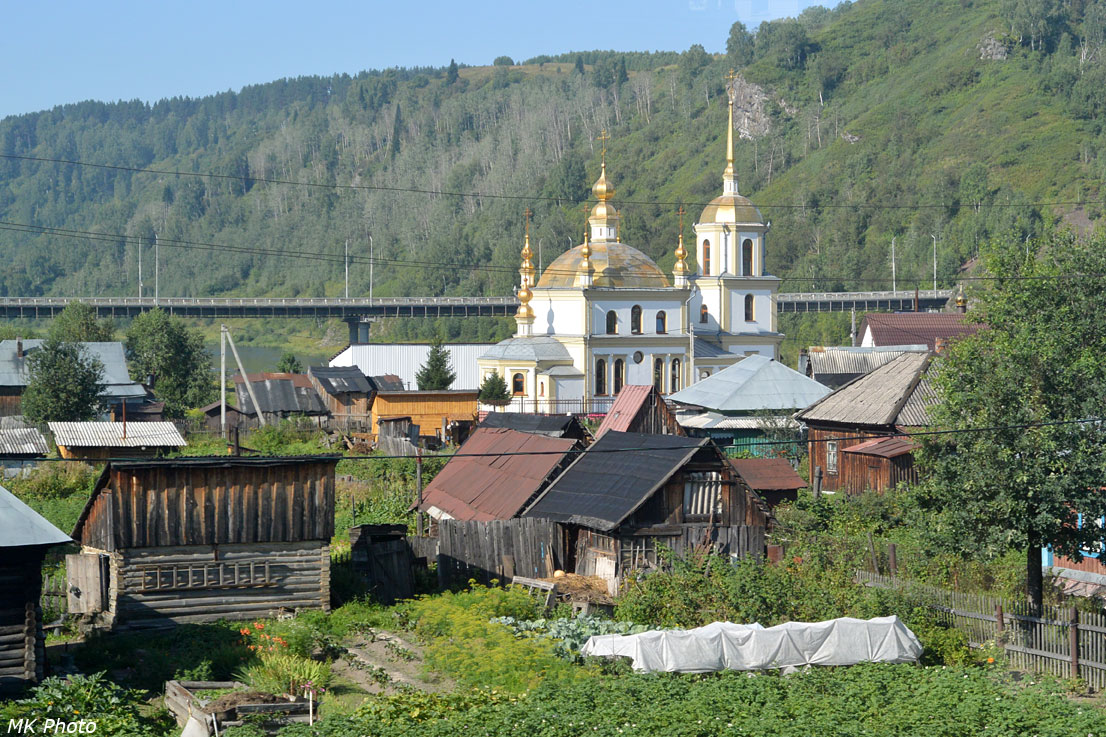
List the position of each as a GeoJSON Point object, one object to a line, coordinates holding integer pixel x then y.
{"type": "Point", "coordinates": [184, 699]}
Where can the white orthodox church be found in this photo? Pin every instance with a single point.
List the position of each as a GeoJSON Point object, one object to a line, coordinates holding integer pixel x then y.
{"type": "Point", "coordinates": [603, 315]}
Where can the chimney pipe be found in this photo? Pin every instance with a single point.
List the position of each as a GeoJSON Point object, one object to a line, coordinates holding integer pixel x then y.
{"type": "Point", "coordinates": [19, 348]}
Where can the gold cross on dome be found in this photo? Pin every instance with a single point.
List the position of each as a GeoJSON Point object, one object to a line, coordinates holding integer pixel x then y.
{"type": "Point", "coordinates": [526, 214]}
{"type": "Point", "coordinates": [604, 137]}
{"type": "Point", "coordinates": [731, 75]}
{"type": "Point", "coordinates": [681, 212]}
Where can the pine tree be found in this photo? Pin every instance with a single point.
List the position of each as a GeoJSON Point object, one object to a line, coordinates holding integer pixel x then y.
{"type": "Point", "coordinates": [579, 68]}
{"type": "Point", "coordinates": [451, 74]}
{"type": "Point", "coordinates": [493, 389]}
{"type": "Point", "coordinates": [436, 373]}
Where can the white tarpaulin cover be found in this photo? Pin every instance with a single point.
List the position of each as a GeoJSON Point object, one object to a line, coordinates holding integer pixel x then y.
{"type": "Point", "coordinates": [728, 646]}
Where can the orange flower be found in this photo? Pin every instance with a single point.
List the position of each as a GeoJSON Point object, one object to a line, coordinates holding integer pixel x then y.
{"type": "Point", "coordinates": [244, 631]}
{"type": "Point", "coordinates": [253, 647]}
{"type": "Point", "coordinates": [990, 660]}
{"type": "Point", "coordinates": [258, 626]}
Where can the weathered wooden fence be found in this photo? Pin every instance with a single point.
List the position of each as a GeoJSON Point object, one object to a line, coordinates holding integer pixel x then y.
{"type": "Point", "coordinates": [381, 557]}
{"type": "Point", "coordinates": [1063, 640]}
{"type": "Point", "coordinates": [500, 549]}
{"type": "Point", "coordinates": [54, 599]}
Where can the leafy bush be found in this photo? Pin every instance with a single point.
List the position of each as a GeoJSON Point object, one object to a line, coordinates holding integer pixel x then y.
{"type": "Point", "coordinates": [115, 710]}
{"type": "Point", "coordinates": [281, 672]}
{"type": "Point", "coordinates": [57, 491]}
{"type": "Point", "coordinates": [569, 633]}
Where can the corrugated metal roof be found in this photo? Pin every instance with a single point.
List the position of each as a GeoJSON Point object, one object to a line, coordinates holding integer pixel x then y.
{"type": "Point", "coordinates": [767, 474]}
{"type": "Point", "coordinates": [117, 379]}
{"type": "Point", "coordinates": [626, 406]}
{"type": "Point", "coordinates": [755, 383]}
{"type": "Point", "coordinates": [405, 359]}
{"type": "Point", "coordinates": [613, 477]}
{"type": "Point", "coordinates": [25, 441]}
{"type": "Point", "coordinates": [532, 348]}
{"type": "Point", "coordinates": [875, 399]}
{"type": "Point", "coordinates": [20, 525]}
{"type": "Point", "coordinates": [495, 487]}
{"type": "Point", "coordinates": [715, 421]}
{"type": "Point", "coordinates": [388, 383]}
{"type": "Point", "coordinates": [286, 394]}
{"type": "Point", "coordinates": [110, 435]}
{"type": "Point", "coordinates": [915, 412]}
{"type": "Point", "coordinates": [554, 426]}
{"type": "Point", "coordinates": [836, 366]}
{"type": "Point", "coordinates": [902, 328]}
{"type": "Point", "coordinates": [340, 379]}
{"type": "Point", "coordinates": [891, 447]}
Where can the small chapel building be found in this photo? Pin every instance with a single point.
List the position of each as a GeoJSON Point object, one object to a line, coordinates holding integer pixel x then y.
{"type": "Point", "coordinates": [603, 316]}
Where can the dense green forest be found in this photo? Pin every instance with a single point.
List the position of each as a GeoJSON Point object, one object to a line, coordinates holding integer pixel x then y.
{"type": "Point", "coordinates": [912, 119]}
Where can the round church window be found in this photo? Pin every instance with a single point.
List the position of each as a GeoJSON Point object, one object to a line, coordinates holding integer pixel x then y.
{"type": "Point", "coordinates": [638, 356]}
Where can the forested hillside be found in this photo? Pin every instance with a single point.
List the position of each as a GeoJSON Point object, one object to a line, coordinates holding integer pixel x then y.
{"type": "Point", "coordinates": [879, 119]}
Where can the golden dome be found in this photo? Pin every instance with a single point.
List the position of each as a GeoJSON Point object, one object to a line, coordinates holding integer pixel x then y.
{"type": "Point", "coordinates": [613, 264]}
{"type": "Point", "coordinates": [731, 209]}
{"type": "Point", "coordinates": [604, 211]}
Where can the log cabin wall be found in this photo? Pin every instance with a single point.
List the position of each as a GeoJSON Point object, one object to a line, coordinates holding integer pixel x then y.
{"type": "Point", "coordinates": [860, 472]}
{"type": "Point", "coordinates": [819, 437]}
{"type": "Point", "coordinates": [11, 401]}
{"type": "Point", "coordinates": [22, 643]}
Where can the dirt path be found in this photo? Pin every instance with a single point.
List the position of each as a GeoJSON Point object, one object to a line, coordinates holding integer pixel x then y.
{"type": "Point", "coordinates": [383, 662]}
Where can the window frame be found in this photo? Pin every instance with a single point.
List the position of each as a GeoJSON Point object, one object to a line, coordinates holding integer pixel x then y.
{"type": "Point", "coordinates": [612, 322]}
{"type": "Point", "coordinates": [635, 320]}
{"type": "Point", "coordinates": [600, 377]}
{"type": "Point", "coordinates": [662, 322]}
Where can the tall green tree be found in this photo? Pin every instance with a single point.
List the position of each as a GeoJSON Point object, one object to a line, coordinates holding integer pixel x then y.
{"type": "Point", "coordinates": [493, 389]}
{"type": "Point", "coordinates": [162, 349]}
{"type": "Point", "coordinates": [451, 74]}
{"type": "Point", "coordinates": [436, 373]}
{"type": "Point", "coordinates": [78, 323]}
{"type": "Point", "coordinates": [65, 383]}
{"type": "Point", "coordinates": [739, 46]}
{"type": "Point", "coordinates": [1017, 470]}
{"type": "Point", "coordinates": [289, 364]}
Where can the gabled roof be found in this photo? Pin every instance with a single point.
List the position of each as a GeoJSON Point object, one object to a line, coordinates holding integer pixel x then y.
{"type": "Point", "coordinates": [894, 394]}
{"type": "Point", "coordinates": [889, 447]}
{"type": "Point", "coordinates": [25, 441]}
{"type": "Point", "coordinates": [767, 474]}
{"type": "Point", "coordinates": [902, 328]}
{"type": "Point", "coordinates": [20, 525]}
{"type": "Point", "coordinates": [117, 379]}
{"type": "Point", "coordinates": [472, 486]}
{"type": "Point", "coordinates": [110, 435]}
{"type": "Point", "coordinates": [616, 475]}
{"type": "Point", "coordinates": [631, 402]}
{"type": "Point", "coordinates": [387, 383]}
{"type": "Point", "coordinates": [755, 383]}
{"type": "Point", "coordinates": [280, 393]}
{"type": "Point", "coordinates": [337, 380]}
{"type": "Point", "coordinates": [555, 426]}
{"type": "Point", "coordinates": [836, 366]}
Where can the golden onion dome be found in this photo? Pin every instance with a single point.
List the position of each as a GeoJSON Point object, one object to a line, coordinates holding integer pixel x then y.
{"type": "Point", "coordinates": [613, 264]}
{"type": "Point", "coordinates": [731, 209]}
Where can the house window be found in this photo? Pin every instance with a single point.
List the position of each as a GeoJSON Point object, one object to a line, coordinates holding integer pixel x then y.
{"type": "Point", "coordinates": [662, 322]}
{"type": "Point", "coordinates": [674, 377]}
{"type": "Point", "coordinates": [704, 313]}
{"type": "Point", "coordinates": [612, 322]}
{"type": "Point", "coordinates": [518, 385]}
{"type": "Point", "coordinates": [600, 377]}
{"type": "Point", "coordinates": [619, 374]}
{"type": "Point", "coordinates": [703, 496]}
{"type": "Point", "coordinates": [749, 314]}
{"type": "Point", "coordinates": [831, 457]}
{"type": "Point", "coordinates": [635, 319]}
{"type": "Point", "coordinates": [706, 257]}
{"type": "Point", "coordinates": [658, 375]}
{"type": "Point", "coordinates": [747, 257]}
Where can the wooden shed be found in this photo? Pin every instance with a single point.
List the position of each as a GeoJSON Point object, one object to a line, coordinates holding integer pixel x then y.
{"type": "Point", "coordinates": [25, 536]}
{"type": "Point", "coordinates": [430, 410]}
{"type": "Point", "coordinates": [102, 440]}
{"type": "Point", "coordinates": [346, 392]}
{"type": "Point", "coordinates": [201, 539]}
{"type": "Point", "coordinates": [640, 409]}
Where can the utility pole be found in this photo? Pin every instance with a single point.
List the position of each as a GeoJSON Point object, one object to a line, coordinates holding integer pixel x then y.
{"type": "Point", "coordinates": [223, 380]}
{"type": "Point", "coordinates": [894, 284]}
{"type": "Point", "coordinates": [539, 257]}
{"type": "Point", "coordinates": [140, 267]}
{"type": "Point", "coordinates": [156, 269]}
{"type": "Point", "coordinates": [347, 268]}
{"type": "Point", "coordinates": [245, 377]}
{"type": "Point", "coordinates": [371, 268]}
{"type": "Point", "coordinates": [934, 237]}
{"type": "Point", "coordinates": [418, 491]}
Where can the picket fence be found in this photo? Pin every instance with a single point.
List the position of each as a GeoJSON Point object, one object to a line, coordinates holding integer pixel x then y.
{"type": "Point", "coordinates": [1063, 640]}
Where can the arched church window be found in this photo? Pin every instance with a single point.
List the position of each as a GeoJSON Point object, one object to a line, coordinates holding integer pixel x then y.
{"type": "Point", "coordinates": [674, 378]}
{"type": "Point", "coordinates": [662, 322]}
{"type": "Point", "coordinates": [635, 319]}
{"type": "Point", "coordinates": [619, 377]}
{"type": "Point", "coordinates": [706, 257]}
{"type": "Point", "coordinates": [518, 385]}
{"type": "Point", "coordinates": [600, 377]}
{"type": "Point", "coordinates": [658, 375]}
{"type": "Point", "coordinates": [704, 313]}
{"type": "Point", "coordinates": [749, 315]}
{"type": "Point", "coordinates": [747, 257]}
{"type": "Point", "coordinates": [612, 322]}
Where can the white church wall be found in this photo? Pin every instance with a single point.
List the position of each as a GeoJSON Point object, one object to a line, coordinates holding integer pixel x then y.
{"type": "Point", "coordinates": [558, 315]}
{"type": "Point", "coordinates": [649, 309]}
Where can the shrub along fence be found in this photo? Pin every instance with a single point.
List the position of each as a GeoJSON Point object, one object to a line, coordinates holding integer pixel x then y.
{"type": "Point", "coordinates": [1063, 640]}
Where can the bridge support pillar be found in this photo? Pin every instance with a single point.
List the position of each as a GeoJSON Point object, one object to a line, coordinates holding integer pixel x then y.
{"type": "Point", "coordinates": [358, 331]}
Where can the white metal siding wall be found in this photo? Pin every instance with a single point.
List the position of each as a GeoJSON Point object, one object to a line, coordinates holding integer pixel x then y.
{"type": "Point", "coordinates": [405, 359]}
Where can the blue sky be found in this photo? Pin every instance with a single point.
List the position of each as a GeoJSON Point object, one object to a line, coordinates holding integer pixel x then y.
{"type": "Point", "coordinates": [61, 52]}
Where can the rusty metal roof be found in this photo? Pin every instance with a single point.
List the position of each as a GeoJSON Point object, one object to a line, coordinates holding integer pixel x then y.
{"type": "Point", "coordinates": [111, 435]}
{"type": "Point", "coordinates": [889, 447]}
{"type": "Point", "coordinates": [902, 328]}
{"type": "Point", "coordinates": [340, 379]}
{"type": "Point", "coordinates": [767, 474]}
{"type": "Point", "coordinates": [489, 487]}
{"type": "Point", "coordinates": [625, 408]}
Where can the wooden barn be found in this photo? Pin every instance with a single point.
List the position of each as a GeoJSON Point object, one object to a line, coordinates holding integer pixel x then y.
{"type": "Point", "coordinates": [640, 409]}
{"type": "Point", "coordinates": [346, 392]}
{"type": "Point", "coordinates": [201, 539]}
{"type": "Point", "coordinates": [95, 441]}
{"type": "Point", "coordinates": [856, 434]}
{"type": "Point", "coordinates": [630, 493]}
{"type": "Point", "coordinates": [430, 410]}
{"type": "Point", "coordinates": [25, 536]}
{"type": "Point", "coordinates": [772, 479]}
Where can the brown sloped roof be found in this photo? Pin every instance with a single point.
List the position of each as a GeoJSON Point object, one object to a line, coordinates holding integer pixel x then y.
{"type": "Point", "coordinates": [878, 399]}
{"type": "Point", "coordinates": [904, 328]}
{"type": "Point", "coordinates": [889, 447]}
{"type": "Point", "coordinates": [479, 487]}
{"type": "Point", "coordinates": [767, 474]}
{"type": "Point", "coordinates": [625, 408]}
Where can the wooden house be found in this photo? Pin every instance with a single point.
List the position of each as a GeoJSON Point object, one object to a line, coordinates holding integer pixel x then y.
{"type": "Point", "coordinates": [346, 392]}
{"type": "Point", "coordinates": [640, 409]}
{"type": "Point", "coordinates": [478, 484]}
{"type": "Point", "coordinates": [772, 479]}
{"type": "Point", "coordinates": [280, 396]}
{"type": "Point", "coordinates": [25, 536]}
{"type": "Point", "coordinates": [201, 539]}
{"type": "Point", "coordinates": [856, 433]}
{"type": "Point", "coordinates": [430, 410]}
{"type": "Point", "coordinates": [94, 441]}
{"type": "Point", "coordinates": [835, 366]}
{"type": "Point", "coordinates": [630, 493]}
{"type": "Point", "coordinates": [235, 418]}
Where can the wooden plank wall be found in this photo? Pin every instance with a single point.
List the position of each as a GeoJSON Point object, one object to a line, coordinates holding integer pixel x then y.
{"type": "Point", "coordinates": [499, 549]}
{"type": "Point", "coordinates": [426, 411]}
{"type": "Point", "coordinates": [156, 586]}
{"type": "Point", "coordinates": [638, 550]}
{"type": "Point", "coordinates": [382, 558]}
{"type": "Point", "coordinates": [22, 643]}
{"type": "Point", "coordinates": [817, 448]}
